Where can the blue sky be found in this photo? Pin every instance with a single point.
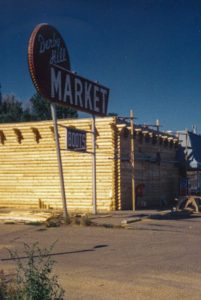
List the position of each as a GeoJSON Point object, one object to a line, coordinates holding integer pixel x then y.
{"type": "Point", "coordinates": [148, 52]}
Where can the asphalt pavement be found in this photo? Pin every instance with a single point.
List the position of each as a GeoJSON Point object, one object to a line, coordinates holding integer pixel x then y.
{"type": "Point", "coordinates": [157, 257]}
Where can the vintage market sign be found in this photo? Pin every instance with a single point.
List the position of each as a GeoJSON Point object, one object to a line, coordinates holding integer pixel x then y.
{"type": "Point", "coordinates": [49, 65]}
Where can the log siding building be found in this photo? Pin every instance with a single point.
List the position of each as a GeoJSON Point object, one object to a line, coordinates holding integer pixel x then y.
{"type": "Point", "coordinates": [29, 171]}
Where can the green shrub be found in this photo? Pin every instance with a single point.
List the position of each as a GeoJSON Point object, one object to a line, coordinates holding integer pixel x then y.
{"type": "Point", "coordinates": [7, 288]}
{"type": "Point", "coordinates": [2, 285]}
{"type": "Point", "coordinates": [33, 278]}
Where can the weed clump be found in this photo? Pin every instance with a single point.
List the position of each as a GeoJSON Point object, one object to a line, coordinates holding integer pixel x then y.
{"type": "Point", "coordinates": [85, 220]}
{"type": "Point", "coordinates": [33, 276]}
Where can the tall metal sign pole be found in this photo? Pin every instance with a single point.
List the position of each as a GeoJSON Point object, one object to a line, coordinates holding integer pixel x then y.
{"type": "Point", "coordinates": [132, 159]}
{"type": "Point", "coordinates": [94, 164]}
{"type": "Point", "coordinates": [61, 176]}
{"type": "Point", "coordinates": [50, 70]}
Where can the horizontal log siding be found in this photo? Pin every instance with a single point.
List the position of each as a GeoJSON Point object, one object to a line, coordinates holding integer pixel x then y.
{"type": "Point", "coordinates": [29, 170]}
{"type": "Point", "coordinates": [160, 180]}
{"type": "Point", "coordinates": [125, 172]}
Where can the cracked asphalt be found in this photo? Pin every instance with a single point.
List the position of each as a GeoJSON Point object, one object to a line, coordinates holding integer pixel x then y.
{"type": "Point", "coordinates": [157, 258]}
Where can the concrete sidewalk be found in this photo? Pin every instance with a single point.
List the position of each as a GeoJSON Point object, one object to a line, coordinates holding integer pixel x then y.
{"type": "Point", "coordinates": [111, 219]}
{"type": "Point", "coordinates": [28, 216]}
{"type": "Point", "coordinates": [124, 218]}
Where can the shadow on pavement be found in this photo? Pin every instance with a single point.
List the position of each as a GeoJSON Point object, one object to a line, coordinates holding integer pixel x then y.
{"type": "Point", "coordinates": [57, 253]}
{"type": "Point", "coordinates": [175, 215]}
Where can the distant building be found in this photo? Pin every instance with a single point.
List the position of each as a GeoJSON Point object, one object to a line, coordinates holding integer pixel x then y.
{"type": "Point", "coordinates": [191, 156]}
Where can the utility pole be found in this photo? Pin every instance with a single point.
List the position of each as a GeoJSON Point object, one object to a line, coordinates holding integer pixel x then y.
{"type": "Point", "coordinates": [132, 158]}
{"type": "Point", "coordinates": [158, 125]}
{"type": "Point", "coordinates": [94, 164]}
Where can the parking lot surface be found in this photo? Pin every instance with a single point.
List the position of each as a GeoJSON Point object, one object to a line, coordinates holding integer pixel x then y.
{"type": "Point", "coordinates": [155, 258]}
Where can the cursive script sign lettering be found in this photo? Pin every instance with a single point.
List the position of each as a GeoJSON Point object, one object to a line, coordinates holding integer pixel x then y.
{"type": "Point", "coordinates": [50, 43]}
{"type": "Point", "coordinates": [58, 53]}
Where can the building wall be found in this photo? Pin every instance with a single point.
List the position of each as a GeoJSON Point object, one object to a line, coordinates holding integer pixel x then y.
{"type": "Point", "coordinates": [29, 170]}
{"type": "Point", "coordinates": [155, 172]}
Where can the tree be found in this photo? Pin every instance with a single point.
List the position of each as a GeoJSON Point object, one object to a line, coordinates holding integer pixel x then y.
{"type": "Point", "coordinates": [10, 109]}
{"type": "Point", "coordinates": [40, 109]}
{"type": "Point", "coordinates": [112, 114]}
